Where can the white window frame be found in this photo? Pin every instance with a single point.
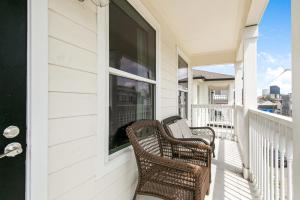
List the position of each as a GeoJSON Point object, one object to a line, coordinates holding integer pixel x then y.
{"type": "Point", "coordinates": [184, 56]}
{"type": "Point", "coordinates": [106, 163]}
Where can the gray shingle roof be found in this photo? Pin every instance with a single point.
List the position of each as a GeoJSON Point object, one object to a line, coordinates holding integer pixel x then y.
{"type": "Point", "coordinates": [210, 76]}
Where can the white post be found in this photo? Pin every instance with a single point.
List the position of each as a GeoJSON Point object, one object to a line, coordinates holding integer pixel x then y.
{"type": "Point", "coordinates": [250, 99]}
{"type": "Point", "coordinates": [231, 93]}
{"type": "Point", "coordinates": [296, 93]}
{"type": "Point", "coordinates": [238, 83]}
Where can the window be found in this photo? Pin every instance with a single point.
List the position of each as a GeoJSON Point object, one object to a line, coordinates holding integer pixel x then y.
{"type": "Point", "coordinates": [132, 41]}
{"type": "Point", "coordinates": [132, 66]}
{"type": "Point", "coordinates": [182, 74]}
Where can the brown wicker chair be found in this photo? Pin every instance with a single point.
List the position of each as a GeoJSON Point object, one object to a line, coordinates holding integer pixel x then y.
{"type": "Point", "coordinates": [202, 135]}
{"type": "Point", "coordinates": [168, 168]}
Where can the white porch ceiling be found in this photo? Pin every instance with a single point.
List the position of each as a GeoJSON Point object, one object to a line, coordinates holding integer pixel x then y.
{"type": "Point", "coordinates": [208, 27]}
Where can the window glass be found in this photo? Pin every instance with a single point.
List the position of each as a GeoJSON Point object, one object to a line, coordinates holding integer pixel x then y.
{"type": "Point", "coordinates": [132, 41]}
{"type": "Point", "coordinates": [129, 100]}
{"type": "Point", "coordinates": [182, 104]}
{"type": "Point", "coordinates": [182, 74]}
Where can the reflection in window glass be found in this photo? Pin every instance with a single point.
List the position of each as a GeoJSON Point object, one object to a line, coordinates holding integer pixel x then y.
{"type": "Point", "coordinates": [129, 100]}
{"type": "Point", "coordinates": [182, 104]}
{"type": "Point", "coordinates": [182, 74]}
{"type": "Point", "coordinates": [132, 41]}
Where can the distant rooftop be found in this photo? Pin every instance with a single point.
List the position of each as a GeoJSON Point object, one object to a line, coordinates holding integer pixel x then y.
{"type": "Point", "coordinates": [211, 76]}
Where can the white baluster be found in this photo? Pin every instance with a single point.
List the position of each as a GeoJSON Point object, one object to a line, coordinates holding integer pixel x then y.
{"type": "Point", "coordinates": [260, 159]}
{"type": "Point", "coordinates": [289, 155]}
{"type": "Point", "coordinates": [268, 160]}
{"type": "Point", "coordinates": [264, 159]}
{"type": "Point", "coordinates": [276, 163]}
{"type": "Point", "coordinates": [257, 155]}
{"type": "Point", "coordinates": [272, 162]}
{"type": "Point", "coordinates": [282, 153]}
{"type": "Point", "coordinates": [250, 145]}
{"type": "Point", "coordinates": [255, 152]}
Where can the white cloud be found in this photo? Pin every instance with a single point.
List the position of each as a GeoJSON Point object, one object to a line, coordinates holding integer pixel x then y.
{"type": "Point", "coordinates": [268, 58]}
{"type": "Point", "coordinates": [278, 60]}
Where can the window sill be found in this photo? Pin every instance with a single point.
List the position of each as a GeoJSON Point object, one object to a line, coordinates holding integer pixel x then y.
{"type": "Point", "coordinates": [119, 153]}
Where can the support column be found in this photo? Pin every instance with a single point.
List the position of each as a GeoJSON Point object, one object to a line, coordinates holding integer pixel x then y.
{"type": "Point", "coordinates": [231, 98]}
{"type": "Point", "coordinates": [195, 92]}
{"type": "Point", "coordinates": [238, 83]}
{"type": "Point", "coordinates": [296, 94]}
{"type": "Point", "coordinates": [249, 90]}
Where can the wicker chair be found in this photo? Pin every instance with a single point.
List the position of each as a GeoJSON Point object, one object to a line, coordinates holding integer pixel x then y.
{"type": "Point", "coordinates": [185, 176]}
{"type": "Point", "coordinates": [202, 135]}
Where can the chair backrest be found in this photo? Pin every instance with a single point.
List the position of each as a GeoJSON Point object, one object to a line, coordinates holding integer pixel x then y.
{"type": "Point", "coordinates": [169, 121]}
{"type": "Point", "coordinates": [146, 135]}
{"type": "Point", "coordinates": [177, 127]}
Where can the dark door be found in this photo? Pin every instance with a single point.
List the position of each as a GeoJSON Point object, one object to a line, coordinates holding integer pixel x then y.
{"type": "Point", "coordinates": [13, 65]}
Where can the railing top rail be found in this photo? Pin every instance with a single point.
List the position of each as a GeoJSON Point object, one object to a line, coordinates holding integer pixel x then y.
{"type": "Point", "coordinates": [287, 121]}
{"type": "Point", "coordinates": [212, 106]}
{"type": "Point", "coordinates": [239, 106]}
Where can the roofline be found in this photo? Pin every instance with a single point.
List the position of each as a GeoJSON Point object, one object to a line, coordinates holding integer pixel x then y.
{"type": "Point", "coordinates": [215, 79]}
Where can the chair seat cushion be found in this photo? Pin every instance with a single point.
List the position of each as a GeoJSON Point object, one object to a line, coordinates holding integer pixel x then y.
{"type": "Point", "coordinates": [202, 134]}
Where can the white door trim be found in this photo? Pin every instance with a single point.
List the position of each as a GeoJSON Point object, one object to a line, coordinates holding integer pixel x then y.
{"type": "Point", "coordinates": [37, 101]}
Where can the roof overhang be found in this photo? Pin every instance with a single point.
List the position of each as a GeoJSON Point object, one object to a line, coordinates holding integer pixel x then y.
{"type": "Point", "coordinates": [209, 32]}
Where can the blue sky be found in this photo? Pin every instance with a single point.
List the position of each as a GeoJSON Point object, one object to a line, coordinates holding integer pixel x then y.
{"type": "Point", "coordinates": [273, 48]}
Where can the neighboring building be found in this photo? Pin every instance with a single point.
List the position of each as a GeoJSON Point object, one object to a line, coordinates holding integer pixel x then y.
{"type": "Point", "coordinates": [286, 105]}
{"type": "Point", "coordinates": [212, 88]}
{"type": "Point", "coordinates": [274, 89]}
{"type": "Point", "coordinates": [268, 106]}
{"type": "Point", "coordinates": [265, 92]}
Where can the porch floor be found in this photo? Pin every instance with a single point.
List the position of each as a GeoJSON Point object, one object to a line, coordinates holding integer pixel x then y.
{"type": "Point", "coordinates": [227, 181]}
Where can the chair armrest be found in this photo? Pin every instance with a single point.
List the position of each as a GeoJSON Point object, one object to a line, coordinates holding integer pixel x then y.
{"type": "Point", "coordinates": [208, 130]}
{"type": "Point", "coordinates": [174, 164]}
{"type": "Point", "coordinates": [194, 140]}
{"type": "Point", "coordinates": [167, 170]}
{"type": "Point", "coordinates": [190, 150]}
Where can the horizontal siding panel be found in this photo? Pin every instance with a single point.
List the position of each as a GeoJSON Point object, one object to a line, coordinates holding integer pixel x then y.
{"type": "Point", "coordinates": [165, 93]}
{"type": "Point", "coordinates": [85, 191]}
{"type": "Point", "coordinates": [64, 54]}
{"type": "Point", "coordinates": [63, 155]}
{"type": "Point", "coordinates": [68, 104]}
{"type": "Point", "coordinates": [62, 79]}
{"type": "Point", "coordinates": [168, 102]}
{"type": "Point", "coordinates": [120, 178]}
{"type": "Point", "coordinates": [121, 189]}
{"type": "Point", "coordinates": [69, 129]}
{"type": "Point", "coordinates": [83, 13]}
{"type": "Point", "coordinates": [65, 180]}
{"type": "Point", "coordinates": [66, 30]}
{"type": "Point", "coordinates": [168, 111]}
{"type": "Point", "coordinates": [167, 85]}
{"type": "Point", "coordinates": [168, 76]}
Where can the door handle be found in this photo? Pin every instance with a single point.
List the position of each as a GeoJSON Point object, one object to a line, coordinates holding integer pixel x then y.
{"type": "Point", "coordinates": [11, 132]}
{"type": "Point", "coordinates": [11, 150]}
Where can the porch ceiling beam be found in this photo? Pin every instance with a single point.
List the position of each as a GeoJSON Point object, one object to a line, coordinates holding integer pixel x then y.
{"type": "Point", "coordinates": [226, 57]}
{"type": "Point", "coordinates": [256, 11]}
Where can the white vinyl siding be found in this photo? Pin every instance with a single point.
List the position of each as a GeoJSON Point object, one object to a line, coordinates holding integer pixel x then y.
{"type": "Point", "coordinates": [73, 106]}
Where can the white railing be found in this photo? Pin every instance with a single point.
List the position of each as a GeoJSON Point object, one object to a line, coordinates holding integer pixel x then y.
{"type": "Point", "coordinates": [219, 117]}
{"type": "Point", "coordinates": [271, 155]}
